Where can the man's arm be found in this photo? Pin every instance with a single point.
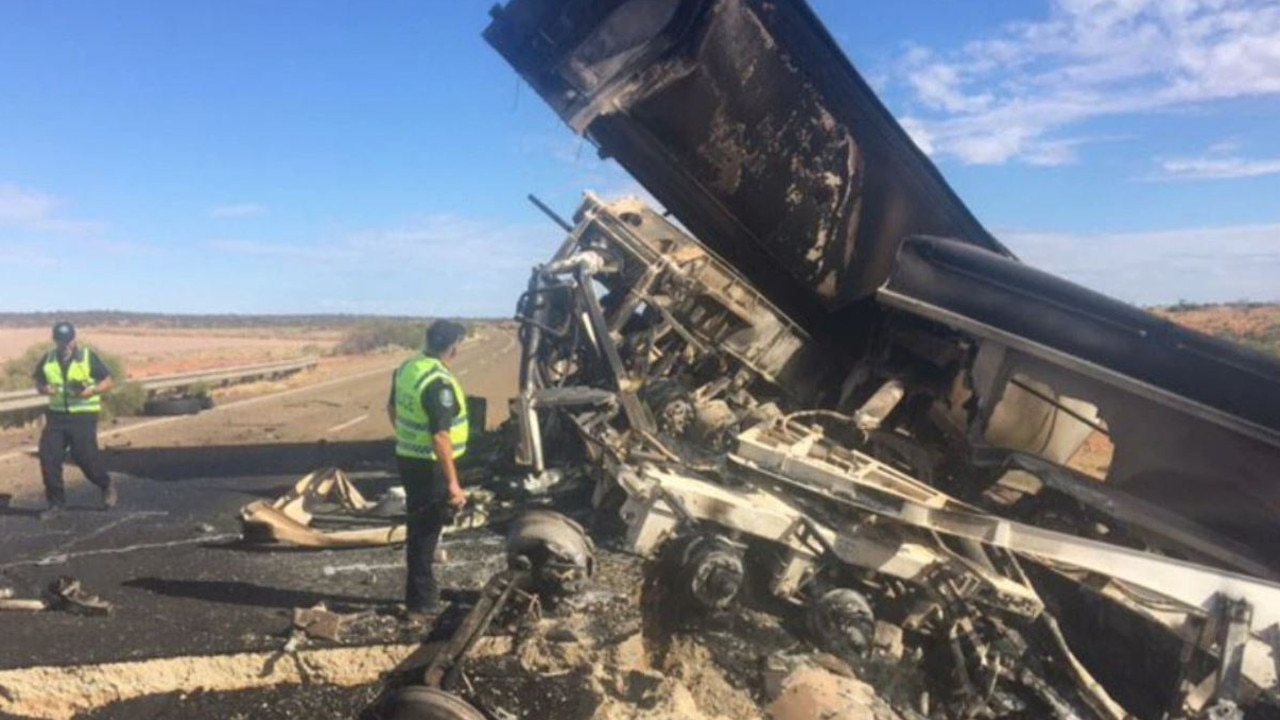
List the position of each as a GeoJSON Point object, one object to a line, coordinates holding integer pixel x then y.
{"type": "Point", "coordinates": [42, 384]}
{"type": "Point", "coordinates": [444, 457]}
{"type": "Point", "coordinates": [391, 401]}
{"type": "Point", "coordinates": [102, 380]}
{"type": "Point", "coordinates": [99, 388]}
{"type": "Point", "coordinates": [442, 407]}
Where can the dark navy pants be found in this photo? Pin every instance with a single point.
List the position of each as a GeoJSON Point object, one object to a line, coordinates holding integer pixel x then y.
{"type": "Point", "coordinates": [77, 432]}
{"type": "Point", "coordinates": [427, 499]}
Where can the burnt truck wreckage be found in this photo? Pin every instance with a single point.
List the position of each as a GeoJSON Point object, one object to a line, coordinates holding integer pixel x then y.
{"type": "Point", "coordinates": [831, 378]}
{"type": "Point", "coordinates": [724, 438]}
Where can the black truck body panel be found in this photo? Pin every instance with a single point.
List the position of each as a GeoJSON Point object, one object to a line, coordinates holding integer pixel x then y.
{"type": "Point", "coordinates": [745, 119]}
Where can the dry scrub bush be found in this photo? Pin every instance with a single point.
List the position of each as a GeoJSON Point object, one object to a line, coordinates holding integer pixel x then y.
{"type": "Point", "coordinates": [380, 335]}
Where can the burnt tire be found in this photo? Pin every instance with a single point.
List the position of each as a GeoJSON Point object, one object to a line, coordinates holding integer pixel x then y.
{"type": "Point", "coordinates": [176, 406]}
{"type": "Point", "coordinates": [419, 702]}
{"type": "Point", "coordinates": [842, 623]}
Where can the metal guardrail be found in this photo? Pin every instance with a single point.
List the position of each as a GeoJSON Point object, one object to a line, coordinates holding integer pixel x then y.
{"type": "Point", "coordinates": [24, 400]}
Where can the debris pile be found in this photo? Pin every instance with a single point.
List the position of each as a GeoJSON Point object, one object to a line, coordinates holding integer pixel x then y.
{"type": "Point", "coordinates": [604, 648]}
{"type": "Point", "coordinates": [64, 594]}
{"type": "Point", "coordinates": [700, 416]}
{"type": "Point", "coordinates": [325, 510]}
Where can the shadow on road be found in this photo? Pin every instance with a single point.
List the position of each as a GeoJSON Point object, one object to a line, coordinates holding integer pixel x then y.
{"type": "Point", "coordinates": [70, 509]}
{"type": "Point", "coordinates": [235, 592]}
{"type": "Point", "coordinates": [224, 461]}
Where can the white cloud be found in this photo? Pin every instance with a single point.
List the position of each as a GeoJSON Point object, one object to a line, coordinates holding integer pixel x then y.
{"type": "Point", "coordinates": [1149, 268]}
{"type": "Point", "coordinates": [284, 250]}
{"type": "Point", "coordinates": [440, 264]}
{"type": "Point", "coordinates": [939, 85]}
{"type": "Point", "coordinates": [465, 244]}
{"type": "Point", "coordinates": [27, 209]}
{"type": "Point", "coordinates": [1219, 168]}
{"type": "Point", "coordinates": [237, 211]}
{"type": "Point", "coordinates": [1016, 94]}
{"type": "Point", "coordinates": [920, 134]}
{"type": "Point", "coordinates": [19, 256]}
{"type": "Point", "coordinates": [20, 206]}
{"type": "Point", "coordinates": [1218, 162]}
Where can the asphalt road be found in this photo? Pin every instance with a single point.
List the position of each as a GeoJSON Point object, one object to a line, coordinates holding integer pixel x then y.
{"type": "Point", "coordinates": [168, 558]}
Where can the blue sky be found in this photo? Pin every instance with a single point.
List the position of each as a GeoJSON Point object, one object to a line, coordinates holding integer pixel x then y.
{"type": "Point", "coordinates": [298, 157]}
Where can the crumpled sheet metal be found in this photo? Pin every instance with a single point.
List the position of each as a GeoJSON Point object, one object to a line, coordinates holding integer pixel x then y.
{"type": "Point", "coordinates": [288, 520]}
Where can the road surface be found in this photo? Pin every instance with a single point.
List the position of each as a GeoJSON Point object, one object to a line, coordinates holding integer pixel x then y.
{"type": "Point", "coordinates": [168, 556]}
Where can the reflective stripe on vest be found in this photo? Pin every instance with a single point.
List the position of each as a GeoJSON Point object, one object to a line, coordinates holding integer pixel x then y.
{"type": "Point", "coordinates": [413, 425]}
{"type": "Point", "coordinates": [80, 370]}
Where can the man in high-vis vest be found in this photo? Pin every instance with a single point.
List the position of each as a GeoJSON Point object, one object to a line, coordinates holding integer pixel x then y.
{"type": "Point", "coordinates": [429, 411]}
{"type": "Point", "coordinates": [74, 378]}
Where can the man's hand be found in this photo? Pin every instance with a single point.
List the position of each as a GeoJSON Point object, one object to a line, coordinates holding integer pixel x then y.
{"type": "Point", "coordinates": [89, 391]}
{"type": "Point", "coordinates": [49, 390]}
{"type": "Point", "coordinates": [457, 498]}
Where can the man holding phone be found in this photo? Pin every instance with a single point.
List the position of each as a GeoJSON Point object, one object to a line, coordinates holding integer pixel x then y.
{"type": "Point", "coordinates": [74, 378]}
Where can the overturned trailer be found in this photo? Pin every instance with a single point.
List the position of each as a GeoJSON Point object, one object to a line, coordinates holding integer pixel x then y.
{"type": "Point", "coordinates": [831, 373]}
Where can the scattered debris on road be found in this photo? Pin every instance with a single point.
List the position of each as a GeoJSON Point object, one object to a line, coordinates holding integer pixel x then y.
{"type": "Point", "coordinates": [67, 594]}
{"type": "Point", "coordinates": [321, 622]}
{"type": "Point", "coordinates": [177, 405]}
{"type": "Point", "coordinates": [9, 604]}
{"type": "Point", "coordinates": [325, 510]}
{"type": "Point", "coordinates": [64, 594]}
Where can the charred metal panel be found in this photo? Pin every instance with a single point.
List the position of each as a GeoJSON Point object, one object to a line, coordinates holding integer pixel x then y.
{"type": "Point", "coordinates": [1238, 387]}
{"type": "Point", "coordinates": [1195, 421]}
{"type": "Point", "coordinates": [744, 118]}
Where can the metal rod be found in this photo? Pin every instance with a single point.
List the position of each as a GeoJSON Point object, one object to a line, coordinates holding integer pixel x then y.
{"type": "Point", "coordinates": [1058, 404]}
{"type": "Point", "coordinates": [550, 213]}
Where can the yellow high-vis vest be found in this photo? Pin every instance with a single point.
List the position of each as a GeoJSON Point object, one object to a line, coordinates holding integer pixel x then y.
{"type": "Point", "coordinates": [79, 370]}
{"type": "Point", "coordinates": [413, 425]}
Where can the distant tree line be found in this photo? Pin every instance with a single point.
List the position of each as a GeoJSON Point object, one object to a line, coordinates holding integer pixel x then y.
{"type": "Point", "coordinates": [1262, 334]}
{"type": "Point", "coordinates": [119, 318]}
{"type": "Point", "coordinates": [1187, 306]}
{"type": "Point", "coordinates": [388, 334]}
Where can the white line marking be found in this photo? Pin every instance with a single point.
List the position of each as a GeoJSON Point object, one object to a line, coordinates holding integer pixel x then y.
{"type": "Point", "coordinates": [61, 558]}
{"type": "Point", "coordinates": [129, 517]}
{"type": "Point", "coordinates": [331, 570]}
{"type": "Point", "coordinates": [343, 426]}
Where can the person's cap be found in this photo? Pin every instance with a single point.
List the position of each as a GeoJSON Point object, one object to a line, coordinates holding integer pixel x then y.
{"type": "Point", "coordinates": [64, 332]}
{"type": "Point", "coordinates": [444, 334]}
